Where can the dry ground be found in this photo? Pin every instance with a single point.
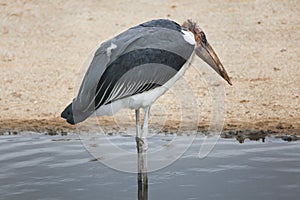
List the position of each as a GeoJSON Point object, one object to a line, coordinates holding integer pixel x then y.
{"type": "Point", "coordinates": [43, 45]}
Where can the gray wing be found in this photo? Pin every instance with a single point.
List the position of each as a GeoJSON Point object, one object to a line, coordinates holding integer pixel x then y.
{"type": "Point", "coordinates": [135, 72]}
{"type": "Point", "coordinates": [137, 60]}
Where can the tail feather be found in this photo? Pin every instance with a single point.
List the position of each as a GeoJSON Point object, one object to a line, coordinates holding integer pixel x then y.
{"type": "Point", "coordinates": [68, 114]}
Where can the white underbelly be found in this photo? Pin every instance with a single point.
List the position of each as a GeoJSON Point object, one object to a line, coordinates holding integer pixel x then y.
{"type": "Point", "coordinates": [144, 99]}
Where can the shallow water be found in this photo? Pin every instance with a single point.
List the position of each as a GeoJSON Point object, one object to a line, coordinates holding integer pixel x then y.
{"type": "Point", "coordinates": [37, 166]}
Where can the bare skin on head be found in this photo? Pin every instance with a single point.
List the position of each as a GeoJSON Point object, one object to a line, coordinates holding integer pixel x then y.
{"type": "Point", "coordinates": [205, 51]}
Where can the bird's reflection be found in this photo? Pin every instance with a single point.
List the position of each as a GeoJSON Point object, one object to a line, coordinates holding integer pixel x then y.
{"type": "Point", "coordinates": [142, 177]}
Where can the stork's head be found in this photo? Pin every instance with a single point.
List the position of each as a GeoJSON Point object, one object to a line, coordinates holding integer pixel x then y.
{"type": "Point", "coordinates": [205, 51]}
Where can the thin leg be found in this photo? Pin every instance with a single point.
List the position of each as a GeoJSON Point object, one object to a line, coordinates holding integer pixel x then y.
{"type": "Point", "coordinates": [138, 122]}
{"type": "Point", "coordinates": [138, 139]}
{"type": "Point", "coordinates": [142, 146]}
{"type": "Point", "coordinates": [145, 128]}
{"type": "Point", "coordinates": [141, 135]}
{"type": "Point", "coordinates": [145, 125]}
{"type": "Point", "coordinates": [144, 154]}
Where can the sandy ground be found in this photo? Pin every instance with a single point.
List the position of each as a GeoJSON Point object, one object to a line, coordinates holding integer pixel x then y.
{"type": "Point", "coordinates": [43, 46]}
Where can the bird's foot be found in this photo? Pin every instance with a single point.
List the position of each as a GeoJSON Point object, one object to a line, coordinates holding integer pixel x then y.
{"type": "Point", "coordinates": [141, 144]}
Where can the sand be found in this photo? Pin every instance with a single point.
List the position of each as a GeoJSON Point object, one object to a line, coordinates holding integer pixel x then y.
{"type": "Point", "coordinates": [43, 46]}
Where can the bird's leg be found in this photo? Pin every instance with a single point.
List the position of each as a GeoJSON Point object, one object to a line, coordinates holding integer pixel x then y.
{"type": "Point", "coordinates": [142, 154]}
{"type": "Point", "coordinates": [138, 131]}
{"type": "Point", "coordinates": [141, 135]}
{"type": "Point", "coordinates": [145, 128]}
{"type": "Point", "coordinates": [138, 122]}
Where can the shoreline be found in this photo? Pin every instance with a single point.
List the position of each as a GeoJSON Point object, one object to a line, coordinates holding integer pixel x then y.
{"type": "Point", "coordinates": [54, 126]}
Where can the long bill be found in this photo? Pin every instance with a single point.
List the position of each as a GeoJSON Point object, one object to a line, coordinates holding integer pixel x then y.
{"type": "Point", "coordinates": [207, 53]}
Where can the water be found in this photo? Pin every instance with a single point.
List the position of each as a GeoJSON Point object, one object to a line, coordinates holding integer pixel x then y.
{"type": "Point", "coordinates": [37, 166]}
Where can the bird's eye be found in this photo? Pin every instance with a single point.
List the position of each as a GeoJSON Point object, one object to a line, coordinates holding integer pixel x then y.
{"type": "Point", "coordinates": [203, 37]}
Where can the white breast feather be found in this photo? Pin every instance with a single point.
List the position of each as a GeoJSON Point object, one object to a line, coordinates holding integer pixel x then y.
{"type": "Point", "coordinates": [189, 37]}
